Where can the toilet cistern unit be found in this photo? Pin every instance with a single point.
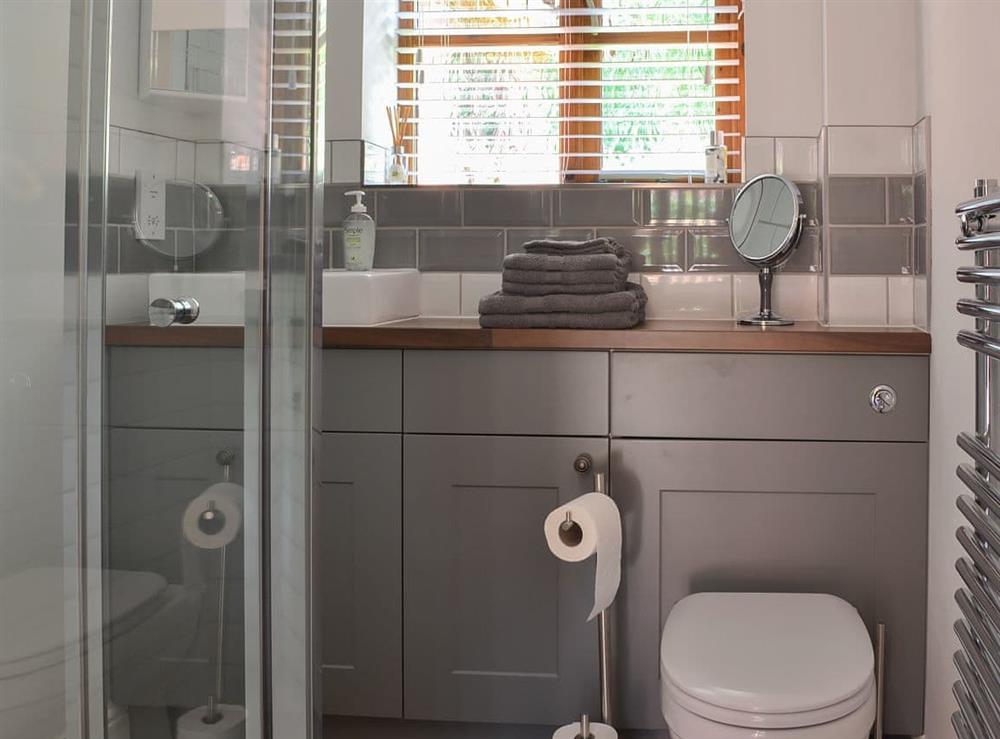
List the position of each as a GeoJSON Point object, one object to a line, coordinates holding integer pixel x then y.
{"type": "Point", "coordinates": [767, 666]}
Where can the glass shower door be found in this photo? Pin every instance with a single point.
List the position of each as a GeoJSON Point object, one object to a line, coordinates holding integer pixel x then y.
{"type": "Point", "coordinates": [155, 480]}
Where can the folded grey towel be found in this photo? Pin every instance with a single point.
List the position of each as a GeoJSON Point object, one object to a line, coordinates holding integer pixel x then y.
{"type": "Point", "coordinates": [554, 247]}
{"type": "Point", "coordinates": [585, 288]}
{"type": "Point", "coordinates": [632, 299]}
{"type": "Point", "coordinates": [614, 278]}
{"type": "Point", "coordinates": [615, 320]}
{"type": "Point", "coordinates": [573, 263]}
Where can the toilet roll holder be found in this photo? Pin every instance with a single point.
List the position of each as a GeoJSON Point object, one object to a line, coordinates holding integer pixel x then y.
{"type": "Point", "coordinates": [211, 520]}
{"type": "Point", "coordinates": [571, 534]}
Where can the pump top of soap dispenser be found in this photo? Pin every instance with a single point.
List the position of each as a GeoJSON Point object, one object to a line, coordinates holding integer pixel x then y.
{"type": "Point", "coordinates": [359, 205]}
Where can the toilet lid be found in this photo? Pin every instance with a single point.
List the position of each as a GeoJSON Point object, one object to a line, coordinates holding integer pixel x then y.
{"type": "Point", "coordinates": [33, 611]}
{"type": "Point", "coordinates": [767, 653]}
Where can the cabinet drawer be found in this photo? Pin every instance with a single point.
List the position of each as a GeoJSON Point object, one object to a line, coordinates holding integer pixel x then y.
{"type": "Point", "coordinates": [506, 392]}
{"type": "Point", "coordinates": [191, 388]}
{"type": "Point", "coordinates": [362, 390]}
{"type": "Point", "coordinates": [734, 396]}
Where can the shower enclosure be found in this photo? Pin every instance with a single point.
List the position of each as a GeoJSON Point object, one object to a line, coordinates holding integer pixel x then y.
{"type": "Point", "coordinates": [155, 505]}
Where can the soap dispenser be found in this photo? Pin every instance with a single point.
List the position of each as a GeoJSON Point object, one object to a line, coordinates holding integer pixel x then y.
{"type": "Point", "coordinates": [359, 235]}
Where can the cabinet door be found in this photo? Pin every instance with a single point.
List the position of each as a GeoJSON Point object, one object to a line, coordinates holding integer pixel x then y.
{"type": "Point", "coordinates": [843, 518]}
{"type": "Point", "coordinates": [495, 625]}
{"type": "Point", "coordinates": [360, 514]}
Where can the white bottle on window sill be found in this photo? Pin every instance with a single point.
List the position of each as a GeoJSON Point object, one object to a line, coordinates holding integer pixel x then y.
{"type": "Point", "coordinates": [715, 158]}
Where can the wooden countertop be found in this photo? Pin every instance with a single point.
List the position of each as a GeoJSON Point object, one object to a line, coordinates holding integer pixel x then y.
{"type": "Point", "coordinates": [654, 335]}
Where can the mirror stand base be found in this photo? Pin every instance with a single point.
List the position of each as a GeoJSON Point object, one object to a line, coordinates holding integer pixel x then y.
{"type": "Point", "coordinates": [765, 319]}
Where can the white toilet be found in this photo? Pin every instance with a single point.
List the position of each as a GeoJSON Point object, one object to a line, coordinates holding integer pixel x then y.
{"type": "Point", "coordinates": [33, 642]}
{"type": "Point", "coordinates": [766, 666]}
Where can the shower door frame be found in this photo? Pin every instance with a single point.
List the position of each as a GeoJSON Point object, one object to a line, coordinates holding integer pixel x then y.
{"type": "Point", "coordinates": [297, 716]}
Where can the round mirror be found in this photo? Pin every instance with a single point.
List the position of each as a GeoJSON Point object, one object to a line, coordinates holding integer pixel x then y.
{"type": "Point", "coordinates": [203, 224]}
{"type": "Point", "coordinates": [765, 226]}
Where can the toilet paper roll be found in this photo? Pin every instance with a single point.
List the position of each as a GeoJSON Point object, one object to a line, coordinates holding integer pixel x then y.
{"type": "Point", "coordinates": [213, 519]}
{"type": "Point", "coordinates": [596, 527]}
{"type": "Point", "coordinates": [232, 725]}
{"type": "Point", "coordinates": [598, 731]}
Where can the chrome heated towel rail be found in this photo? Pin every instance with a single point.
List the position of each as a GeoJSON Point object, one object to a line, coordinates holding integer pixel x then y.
{"type": "Point", "coordinates": [978, 660]}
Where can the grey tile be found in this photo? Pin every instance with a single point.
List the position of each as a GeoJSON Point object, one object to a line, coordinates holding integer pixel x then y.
{"type": "Point", "coordinates": [121, 199]}
{"type": "Point", "coordinates": [407, 206]}
{"type": "Point", "coordinates": [395, 248]}
{"type": "Point", "coordinates": [812, 201]}
{"type": "Point", "coordinates": [920, 198]}
{"type": "Point", "coordinates": [110, 248]}
{"type": "Point", "coordinates": [870, 251]}
{"type": "Point", "coordinates": [136, 257]}
{"type": "Point", "coordinates": [689, 206]}
{"type": "Point", "coordinates": [335, 248]}
{"type": "Point", "coordinates": [597, 206]}
{"type": "Point", "coordinates": [336, 206]}
{"type": "Point", "coordinates": [240, 207]}
{"type": "Point", "coordinates": [901, 200]}
{"type": "Point", "coordinates": [184, 241]}
{"type": "Point", "coordinates": [711, 250]}
{"type": "Point", "coordinates": [235, 249]}
{"type": "Point", "coordinates": [857, 200]}
{"type": "Point", "coordinates": [180, 205]}
{"type": "Point", "coordinates": [808, 255]}
{"type": "Point", "coordinates": [518, 237]}
{"type": "Point", "coordinates": [461, 250]}
{"type": "Point", "coordinates": [921, 254]}
{"type": "Point", "coordinates": [653, 249]}
{"type": "Point", "coordinates": [507, 207]}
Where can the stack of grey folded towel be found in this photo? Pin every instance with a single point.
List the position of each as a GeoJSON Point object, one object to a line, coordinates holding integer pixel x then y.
{"type": "Point", "coordinates": [566, 284]}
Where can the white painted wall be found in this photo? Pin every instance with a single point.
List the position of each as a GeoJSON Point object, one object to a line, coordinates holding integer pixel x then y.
{"type": "Point", "coordinates": [871, 62]}
{"type": "Point", "coordinates": [784, 67]}
{"type": "Point", "coordinates": [958, 63]}
{"type": "Point", "coordinates": [829, 62]}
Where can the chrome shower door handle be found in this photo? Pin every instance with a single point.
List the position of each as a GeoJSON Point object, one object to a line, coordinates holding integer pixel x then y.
{"type": "Point", "coordinates": [168, 311]}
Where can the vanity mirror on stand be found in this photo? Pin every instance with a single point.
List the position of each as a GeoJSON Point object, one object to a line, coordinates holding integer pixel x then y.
{"type": "Point", "coordinates": [765, 226]}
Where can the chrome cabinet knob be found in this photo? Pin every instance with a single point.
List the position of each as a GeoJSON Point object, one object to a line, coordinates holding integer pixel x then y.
{"type": "Point", "coordinates": [882, 399]}
{"type": "Point", "coordinates": [168, 311]}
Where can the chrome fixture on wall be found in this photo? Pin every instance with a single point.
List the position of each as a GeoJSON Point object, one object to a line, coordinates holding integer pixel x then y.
{"type": "Point", "coordinates": [978, 689]}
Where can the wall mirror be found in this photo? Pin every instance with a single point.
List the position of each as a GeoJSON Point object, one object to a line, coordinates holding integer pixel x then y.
{"type": "Point", "coordinates": [765, 226]}
{"type": "Point", "coordinates": [194, 48]}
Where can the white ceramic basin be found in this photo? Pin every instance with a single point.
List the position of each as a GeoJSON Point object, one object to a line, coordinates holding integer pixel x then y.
{"type": "Point", "coordinates": [367, 298]}
{"type": "Point", "coordinates": [221, 296]}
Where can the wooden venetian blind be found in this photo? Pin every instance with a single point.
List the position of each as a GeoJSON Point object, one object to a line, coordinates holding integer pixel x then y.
{"type": "Point", "coordinates": [549, 91]}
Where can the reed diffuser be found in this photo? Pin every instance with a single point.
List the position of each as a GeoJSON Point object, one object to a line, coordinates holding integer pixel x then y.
{"type": "Point", "coordinates": [395, 171]}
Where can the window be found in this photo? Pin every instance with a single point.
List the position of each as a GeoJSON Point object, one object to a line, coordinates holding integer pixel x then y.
{"type": "Point", "coordinates": [550, 91]}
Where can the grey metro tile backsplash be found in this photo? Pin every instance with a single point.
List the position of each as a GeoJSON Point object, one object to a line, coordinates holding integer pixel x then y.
{"type": "Point", "coordinates": [857, 200]}
{"type": "Point", "coordinates": [688, 206]}
{"type": "Point", "coordinates": [460, 250]}
{"type": "Point", "coordinates": [859, 250]}
{"type": "Point", "coordinates": [507, 207]}
{"type": "Point", "coordinates": [598, 206]}
{"type": "Point", "coordinates": [901, 200]}
{"type": "Point", "coordinates": [653, 249]}
{"type": "Point", "coordinates": [415, 207]}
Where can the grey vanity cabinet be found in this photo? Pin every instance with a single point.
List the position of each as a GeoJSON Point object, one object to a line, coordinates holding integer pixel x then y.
{"type": "Point", "coordinates": [360, 561]}
{"type": "Point", "coordinates": [845, 518]}
{"type": "Point", "coordinates": [495, 626]}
